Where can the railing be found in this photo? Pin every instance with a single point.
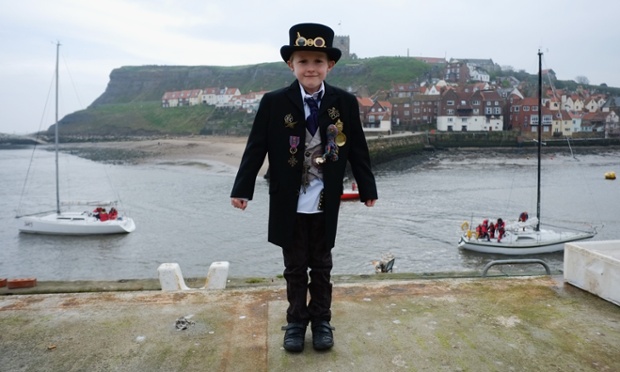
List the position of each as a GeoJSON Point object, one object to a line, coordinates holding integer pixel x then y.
{"type": "Point", "coordinates": [522, 261]}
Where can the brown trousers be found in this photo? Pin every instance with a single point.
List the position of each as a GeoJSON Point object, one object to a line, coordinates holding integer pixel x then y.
{"type": "Point", "coordinates": [308, 252]}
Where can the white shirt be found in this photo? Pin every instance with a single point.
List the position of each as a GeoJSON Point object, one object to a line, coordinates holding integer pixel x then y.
{"type": "Point", "coordinates": [310, 195]}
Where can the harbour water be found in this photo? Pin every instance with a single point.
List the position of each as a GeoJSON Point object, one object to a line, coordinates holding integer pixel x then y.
{"type": "Point", "coordinates": [183, 213]}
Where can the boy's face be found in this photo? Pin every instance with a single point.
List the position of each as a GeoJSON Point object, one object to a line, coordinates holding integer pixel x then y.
{"type": "Point", "coordinates": [310, 68]}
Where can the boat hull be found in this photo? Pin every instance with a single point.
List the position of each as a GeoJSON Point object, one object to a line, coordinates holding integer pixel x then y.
{"type": "Point", "coordinates": [350, 195]}
{"type": "Point", "coordinates": [74, 223]}
{"type": "Point", "coordinates": [526, 243]}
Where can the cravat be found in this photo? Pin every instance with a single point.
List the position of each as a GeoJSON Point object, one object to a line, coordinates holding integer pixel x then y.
{"type": "Point", "coordinates": [312, 122]}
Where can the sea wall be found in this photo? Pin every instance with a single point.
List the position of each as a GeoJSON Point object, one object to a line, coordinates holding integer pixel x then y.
{"type": "Point", "coordinates": [389, 147]}
{"type": "Point", "coordinates": [385, 148]}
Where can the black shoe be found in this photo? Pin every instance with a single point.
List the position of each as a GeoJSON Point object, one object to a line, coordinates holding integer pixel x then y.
{"type": "Point", "coordinates": [322, 336]}
{"type": "Point", "coordinates": [294, 337]}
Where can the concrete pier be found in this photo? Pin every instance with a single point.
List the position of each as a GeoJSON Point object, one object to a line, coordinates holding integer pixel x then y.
{"type": "Point", "coordinates": [382, 323]}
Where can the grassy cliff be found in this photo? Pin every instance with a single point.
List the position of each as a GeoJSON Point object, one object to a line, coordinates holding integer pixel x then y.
{"type": "Point", "coordinates": [131, 103]}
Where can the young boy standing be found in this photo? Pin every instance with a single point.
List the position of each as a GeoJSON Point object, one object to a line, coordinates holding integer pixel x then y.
{"type": "Point", "coordinates": [308, 131]}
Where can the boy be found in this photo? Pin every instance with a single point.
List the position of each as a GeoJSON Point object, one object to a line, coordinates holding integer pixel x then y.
{"type": "Point", "coordinates": [306, 170]}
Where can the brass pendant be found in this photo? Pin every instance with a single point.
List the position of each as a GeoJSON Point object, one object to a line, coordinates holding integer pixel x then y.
{"type": "Point", "coordinates": [339, 125]}
{"type": "Point", "coordinates": [341, 139]}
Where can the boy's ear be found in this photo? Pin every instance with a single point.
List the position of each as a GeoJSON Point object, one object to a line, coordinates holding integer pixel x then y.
{"type": "Point", "coordinates": [290, 64]}
{"type": "Point", "coordinates": [330, 65]}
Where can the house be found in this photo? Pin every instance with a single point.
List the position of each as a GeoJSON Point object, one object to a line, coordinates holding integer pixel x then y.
{"type": "Point", "coordinates": [404, 90]}
{"type": "Point", "coordinates": [593, 122]}
{"type": "Point", "coordinates": [464, 70]}
{"type": "Point", "coordinates": [431, 60]}
{"type": "Point", "coordinates": [209, 96]}
{"type": "Point", "coordinates": [576, 118]}
{"type": "Point", "coordinates": [477, 73]}
{"type": "Point", "coordinates": [591, 105]}
{"type": "Point", "coordinates": [467, 111]}
{"type": "Point", "coordinates": [220, 97]}
{"type": "Point", "coordinates": [431, 90]}
{"type": "Point", "coordinates": [379, 111]}
{"type": "Point", "coordinates": [610, 103]}
{"type": "Point", "coordinates": [181, 98]}
{"type": "Point", "coordinates": [612, 123]}
{"type": "Point", "coordinates": [572, 102]}
{"type": "Point", "coordinates": [562, 124]}
{"type": "Point", "coordinates": [365, 104]}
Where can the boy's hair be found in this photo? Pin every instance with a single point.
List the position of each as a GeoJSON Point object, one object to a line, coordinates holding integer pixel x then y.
{"type": "Point", "coordinates": [311, 37]}
{"type": "Point", "coordinates": [324, 53]}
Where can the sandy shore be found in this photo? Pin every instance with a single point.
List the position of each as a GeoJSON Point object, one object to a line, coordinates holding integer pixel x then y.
{"type": "Point", "coordinates": [182, 150]}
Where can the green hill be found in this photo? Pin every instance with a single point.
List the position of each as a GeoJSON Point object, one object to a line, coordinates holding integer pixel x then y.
{"type": "Point", "coordinates": [131, 103]}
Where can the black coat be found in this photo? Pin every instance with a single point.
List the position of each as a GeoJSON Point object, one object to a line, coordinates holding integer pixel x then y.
{"type": "Point", "coordinates": [281, 117]}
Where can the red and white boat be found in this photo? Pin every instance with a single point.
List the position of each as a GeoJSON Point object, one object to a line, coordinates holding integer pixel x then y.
{"type": "Point", "coordinates": [351, 194]}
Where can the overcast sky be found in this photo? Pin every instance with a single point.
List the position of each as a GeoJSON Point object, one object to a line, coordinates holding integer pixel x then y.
{"type": "Point", "coordinates": [579, 38]}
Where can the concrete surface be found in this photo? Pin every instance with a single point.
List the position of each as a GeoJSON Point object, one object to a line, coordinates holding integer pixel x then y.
{"type": "Point", "coordinates": [463, 324]}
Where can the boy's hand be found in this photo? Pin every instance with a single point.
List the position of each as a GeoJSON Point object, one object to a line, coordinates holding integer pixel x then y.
{"type": "Point", "coordinates": [239, 203]}
{"type": "Point", "coordinates": [370, 202]}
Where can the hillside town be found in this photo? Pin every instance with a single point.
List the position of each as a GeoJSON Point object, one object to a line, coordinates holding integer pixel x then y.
{"type": "Point", "coordinates": [464, 100]}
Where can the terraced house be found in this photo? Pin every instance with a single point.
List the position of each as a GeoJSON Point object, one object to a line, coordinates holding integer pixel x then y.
{"type": "Point", "coordinates": [470, 111]}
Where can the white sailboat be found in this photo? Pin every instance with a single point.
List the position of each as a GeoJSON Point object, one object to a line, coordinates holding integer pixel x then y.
{"type": "Point", "coordinates": [524, 238]}
{"type": "Point", "coordinates": [103, 219]}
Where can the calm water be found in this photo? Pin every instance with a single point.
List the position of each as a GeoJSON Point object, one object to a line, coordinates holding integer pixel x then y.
{"type": "Point", "coordinates": [183, 213]}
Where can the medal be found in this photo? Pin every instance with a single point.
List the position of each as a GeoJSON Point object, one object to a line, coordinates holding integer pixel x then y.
{"type": "Point", "coordinates": [341, 139]}
{"type": "Point", "coordinates": [289, 121]}
{"type": "Point", "coordinates": [294, 142]}
{"type": "Point", "coordinates": [339, 125]}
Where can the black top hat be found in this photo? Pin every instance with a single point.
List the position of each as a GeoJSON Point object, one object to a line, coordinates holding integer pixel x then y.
{"type": "Point", "coordinates": [312, 37]}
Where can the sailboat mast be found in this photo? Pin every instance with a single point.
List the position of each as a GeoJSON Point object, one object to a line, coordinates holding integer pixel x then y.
{"type": "Point", "coordinates": [540, 129]}
{"type": "Point", "coordinates": [56, 132]}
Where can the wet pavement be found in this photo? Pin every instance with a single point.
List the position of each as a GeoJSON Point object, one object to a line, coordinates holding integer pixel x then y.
{"type": "Point", "coordinates": [527, 323]}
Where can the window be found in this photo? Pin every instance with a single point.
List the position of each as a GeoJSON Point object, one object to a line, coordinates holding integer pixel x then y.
{"type": "Point", "coordinates": [516, 108]}
{"type": "Point", "coordinates": [450, 112]}
{"type": "Point", "coordinates": [464, 120]}
{"type": "Point", "coordinates": [488, 110]}
{"type": "Point", "coordinates": [497, 111]}
{"type": "Point", "coordinates": [475, 102]}
{"type": "Point", "coordinates": [476, 111]}
{"type": "Point", "coordinates": [526, 108]}
{"type": "Point", "coordinates": [464, 128]}
{"type": "Point", "coordinates": [450, 103]}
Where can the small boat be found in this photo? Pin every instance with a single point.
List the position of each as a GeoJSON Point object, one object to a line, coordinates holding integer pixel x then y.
{"type": "Point", "coordinates": [351, 194]}
{"type": "Point", "coordinates": [526, 236]}
{"type": "Point", "coordinates": [520, 238]}
{"type": "Point", "coordinates": [96, 221]}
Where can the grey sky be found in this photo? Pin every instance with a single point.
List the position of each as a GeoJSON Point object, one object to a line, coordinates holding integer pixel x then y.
{"type": "Point", "coordinates": [579, 38]}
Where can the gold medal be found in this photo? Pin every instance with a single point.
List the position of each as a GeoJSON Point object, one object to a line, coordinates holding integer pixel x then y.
{"type": "Point", "coordinates": [289, 121]}
{"type": "Point", "coordinates": [339, 125]}
{"type": "Point", "coordinates": [341, 139]}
